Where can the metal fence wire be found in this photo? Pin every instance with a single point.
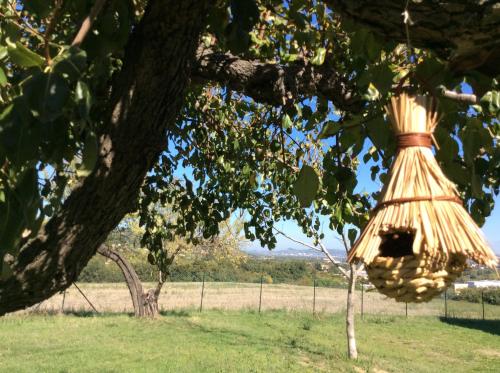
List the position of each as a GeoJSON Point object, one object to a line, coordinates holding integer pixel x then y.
{"type": "Point", "coordinates": [261, 297]}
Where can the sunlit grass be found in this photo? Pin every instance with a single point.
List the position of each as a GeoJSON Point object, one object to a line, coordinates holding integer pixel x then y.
{"type": "Point", "coordinates": [244, 341]}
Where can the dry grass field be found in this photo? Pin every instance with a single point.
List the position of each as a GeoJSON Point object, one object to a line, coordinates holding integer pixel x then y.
{"type": "Point", "coordinates": [245, 296]}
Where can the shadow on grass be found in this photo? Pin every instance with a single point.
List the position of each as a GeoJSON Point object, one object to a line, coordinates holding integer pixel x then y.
{"type": "Point", "coordinates": [175, 313]}
{"type": "Point", "coordinates": [488, 326]}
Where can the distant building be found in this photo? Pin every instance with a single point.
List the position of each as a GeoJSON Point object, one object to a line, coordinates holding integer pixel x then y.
{"type": "Point", "coordinates": [477, 284]}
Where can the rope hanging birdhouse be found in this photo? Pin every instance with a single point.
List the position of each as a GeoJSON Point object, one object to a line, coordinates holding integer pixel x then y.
{"type": "Point", "coordinates": [419, 237]}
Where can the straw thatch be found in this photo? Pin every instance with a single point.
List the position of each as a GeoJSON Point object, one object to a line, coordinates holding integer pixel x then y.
{"type": "Point", "coordinates": [420, 236]}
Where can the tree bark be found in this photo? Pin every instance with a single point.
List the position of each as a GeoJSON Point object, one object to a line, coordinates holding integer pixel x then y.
{"type": "Point", "coordinates": [465, 33]}
{"type": "Point", "coordinates": [145, 101]}
{"type": "Point", "coordinates": [145, 303]}
{"type": "Point", "coordinates": [273, 83]}
{"type": "Point", "coordinates": [131, 279]}
{"type": "Point", "coordinates": [151, 297]}
{"type": "Point", "coordinates": [352, 350]}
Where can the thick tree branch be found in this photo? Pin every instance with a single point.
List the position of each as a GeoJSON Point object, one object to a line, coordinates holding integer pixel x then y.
{"type": "Point", "coordinates": [146, 99]}
{"type": "Point", "coordinates": [465, 33]}
{"type": "Point", "coordinates": [273, 83]}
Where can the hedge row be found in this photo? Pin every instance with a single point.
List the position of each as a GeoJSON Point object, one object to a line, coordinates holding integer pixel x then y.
{"type": "Point", "coordinates": [491, 295]}
{"type": "Point", "coordinates": [299, 272]}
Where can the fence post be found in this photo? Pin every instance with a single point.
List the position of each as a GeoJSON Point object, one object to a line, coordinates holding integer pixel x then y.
{"type": "Point", "coordinates": [482, 301]}
{"type": "Point", "coordinates": [260, 295]}
{"type": "Point", "coordinates": [62, 304]}
{"type": "Point", "coordinates": [314, 295]}
{"type": "Point", "coordinates": [446, 304]}
{"type": "Point", "coordinates": [362, 299]}
{"type": "Point", "coordinates": [202, 291]}
{"type": "Point", "coordinates": [406, 309]}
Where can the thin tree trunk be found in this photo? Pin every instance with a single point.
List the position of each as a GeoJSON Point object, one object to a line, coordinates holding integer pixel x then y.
{"type": "Point", "coordinates": [131, 279]}
{"type": "Point", "coordinates": [351, 337]}
{"type": "Point", "coordinates": [151, 298]}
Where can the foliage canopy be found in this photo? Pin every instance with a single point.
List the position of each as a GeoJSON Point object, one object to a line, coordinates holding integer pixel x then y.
{"type": "Point", "coordinates": [283, 107]}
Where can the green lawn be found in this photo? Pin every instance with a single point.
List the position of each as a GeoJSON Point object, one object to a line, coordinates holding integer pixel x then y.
{"type": "Point", "coordinates": [243, 341]}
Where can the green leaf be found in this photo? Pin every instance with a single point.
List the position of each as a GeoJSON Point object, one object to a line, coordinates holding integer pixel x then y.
{"type": "Point", "coordinates": [347, 179]}
{"type": "Point", "coordinates": [379, 132]}
{"type": "Point", "coordinates": [41, 8]}
{"type": "Point", "coordinates": [245, 13]}
{"type": "Point", "coordinates": [286, 122]}
{"type": "Point", "coordinates": [22, 56]}
{"type": "Point", "coordinates": [19, 136]}
{"type": "Point", "coordinates": [83, 99]}
{"type": "Point", "coordinates": [352, 233]}
{"type": "Point", "coordinates": [364, 43]}
{"type": "Point", "coordinates": [381, 76]}
{"type": "Point", "coordinates": [46, 95]}
{"type": "Point", "coordinates": [3, 78]}
{"type": "Point", "coordinates": [372, 47]}
{"type": "Point", "coordinates": [89, 155]}
{"type": "Point", "coordinates": [306, 186]}
{"type": "Point", "coordinates": [237, 39]}
{"type": "Point", "coordinates": [491, 100]}
{"type": "Point", "coordinates": [432, 72]}
{"type": "Point", "coordinates": [319, 57]}
{"type": "Point", "coordinates": [3, 52]}
{"type": "Point", "coordinates": [329, 129]}
{"type": "Point", "coordinates": [71, 63]}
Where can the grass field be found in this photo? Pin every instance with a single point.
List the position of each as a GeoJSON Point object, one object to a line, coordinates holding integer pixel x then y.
{"type": "Point", "coordinates": [244, 341]}
{"type": "Point", "coordinates": [245, 296]}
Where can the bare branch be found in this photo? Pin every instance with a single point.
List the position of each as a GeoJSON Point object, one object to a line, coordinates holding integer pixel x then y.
{"type": "Point", "coordinates": [322, 248]}
{"type": "Point", "coordinates": [50, 28]}
{"type": "Point", "coordinates": [460, 97]}
{"type": "Point", "coordinates": [87, 23]}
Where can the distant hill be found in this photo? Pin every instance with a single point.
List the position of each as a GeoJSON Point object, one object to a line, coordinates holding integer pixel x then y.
{"type": "Point", "coordinates": [293, 253]}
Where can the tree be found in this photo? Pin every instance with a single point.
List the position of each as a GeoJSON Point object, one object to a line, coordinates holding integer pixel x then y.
{"type": "Point", "coordinates": [350, 275]}
{"type": "Point", "coordinates": [163, 251]}
{"type": "Point", "coordinates": [120, 111]}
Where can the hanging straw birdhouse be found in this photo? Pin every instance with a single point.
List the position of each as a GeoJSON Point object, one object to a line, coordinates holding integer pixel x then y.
{"type": "Point", "coordinates": [419, 237]}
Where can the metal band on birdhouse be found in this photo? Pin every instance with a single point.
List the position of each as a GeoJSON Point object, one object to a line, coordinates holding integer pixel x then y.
{"type": "Point", "coordinates": [419, 236]}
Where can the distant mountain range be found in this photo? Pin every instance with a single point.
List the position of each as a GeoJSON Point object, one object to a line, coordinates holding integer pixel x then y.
{"type": "Point", "coordinates": [293, 253]}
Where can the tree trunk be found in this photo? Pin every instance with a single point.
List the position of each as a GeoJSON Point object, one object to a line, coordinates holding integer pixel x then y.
{"type": "Point", "coordinates": [151, 299]}
{"type": "Point", "coordinates": [352, 350]}
{"type": "Point", "coordinates": [146, 99]}
{"type": "Point", "coordinates": [131, 279]}
{"type": "Point", "coordinates": [145, 303]}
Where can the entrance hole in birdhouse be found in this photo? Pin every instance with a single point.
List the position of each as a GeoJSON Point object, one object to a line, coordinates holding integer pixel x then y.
{"type": "Point", "coordinates": [397, 244]}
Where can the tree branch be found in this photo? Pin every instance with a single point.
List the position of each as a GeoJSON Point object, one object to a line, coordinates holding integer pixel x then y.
{"type": "Point", "coordinates": [460, 97]}
{"type": "Point", "coordinates": [322, 248]}
{"type": "Point", "coordinates": [273, 83]}
{"type": "Point", "coordinates": [464, 33]}
{"type": "Point", "coordinates": [87, 23]}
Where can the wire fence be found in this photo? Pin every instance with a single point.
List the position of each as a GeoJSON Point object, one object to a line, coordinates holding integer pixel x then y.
{"type": "Point", "coordinates": [261, 297]}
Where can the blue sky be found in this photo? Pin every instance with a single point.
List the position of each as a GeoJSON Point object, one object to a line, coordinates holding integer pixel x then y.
{"type": "Point", "coordinates": [491, 228]}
